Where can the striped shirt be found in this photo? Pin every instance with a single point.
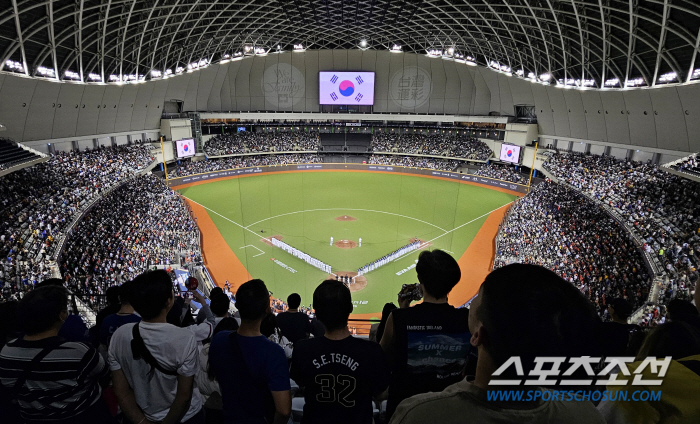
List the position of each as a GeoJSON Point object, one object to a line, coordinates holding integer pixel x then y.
{"type": "Point", "coordinates": [61, 386]}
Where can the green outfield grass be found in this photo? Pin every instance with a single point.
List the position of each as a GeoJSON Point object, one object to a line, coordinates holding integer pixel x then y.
{"type": "Point", "coordinates": [302, 207]}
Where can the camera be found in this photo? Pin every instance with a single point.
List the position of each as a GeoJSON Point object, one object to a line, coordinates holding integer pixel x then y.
{"type": "Point", "coordinates": [410, 291]}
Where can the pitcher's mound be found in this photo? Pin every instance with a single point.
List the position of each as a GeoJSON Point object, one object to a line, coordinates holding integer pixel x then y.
{"type": "Point", "coordinates": [267, 241]}
{"type": "Point", "coordinates": [345, 244]}
{"type": "Point", "coordinates": [359, 284]}
{"type": "Point", "coordinates": [345, 218]}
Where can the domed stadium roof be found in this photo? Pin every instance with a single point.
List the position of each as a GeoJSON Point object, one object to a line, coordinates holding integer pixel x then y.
{"type": "Point", "coordinates": [592, 43]}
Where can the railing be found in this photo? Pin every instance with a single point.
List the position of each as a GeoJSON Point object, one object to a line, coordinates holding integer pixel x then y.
{"type": "Point", "coordinates": [361, 327]}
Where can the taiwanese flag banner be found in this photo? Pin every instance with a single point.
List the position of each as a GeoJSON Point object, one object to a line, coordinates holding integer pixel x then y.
{"type": "Point", "coordinates": [346, 88]}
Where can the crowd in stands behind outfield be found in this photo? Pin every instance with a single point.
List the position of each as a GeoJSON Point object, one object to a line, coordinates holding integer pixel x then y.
{"type": "Point", "coordinates": [414, 161]}
{"type": "Point", "coordinates": [501, 172]}
{"type": "Point", "coordinates": [563, 231]}
{"type": "Point", "coordinates": [250, 142]}
{"type": "Point", "coordinates": [451, 145]}
{"type": "Point", "coordinates": [219, 164]}
{"type": "Point", "coordinates": [140, 224]}
{"type": "Point", "coordinates": [37, 203]}
{"type": "Point", "coordinates": [664, 209]}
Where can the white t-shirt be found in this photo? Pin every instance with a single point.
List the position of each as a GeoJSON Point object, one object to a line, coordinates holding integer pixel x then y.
{"type": "Point", "coordinates": [174, 348]}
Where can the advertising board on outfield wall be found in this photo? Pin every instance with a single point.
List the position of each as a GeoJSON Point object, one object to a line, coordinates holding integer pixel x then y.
{"type": "Point", "coordinates": [347, 167]}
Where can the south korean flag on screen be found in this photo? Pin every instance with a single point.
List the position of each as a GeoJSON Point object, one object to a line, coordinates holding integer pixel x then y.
{"type": "Point", "coordinates": [346, 88]}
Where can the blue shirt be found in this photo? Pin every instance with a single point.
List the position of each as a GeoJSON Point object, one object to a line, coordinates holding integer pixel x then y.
{"type": "Point", "coordinates": [111, 323]}
{"type": "Point", "coordinates": [243, 400]}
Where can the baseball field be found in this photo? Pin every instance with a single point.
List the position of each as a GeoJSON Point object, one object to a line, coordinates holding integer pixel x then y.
{"type": "Point", "coordinates": [237, 216]}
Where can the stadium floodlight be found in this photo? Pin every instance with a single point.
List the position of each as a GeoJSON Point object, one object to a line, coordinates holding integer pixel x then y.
{"type": "Point", "coordinates": [179, 70]}
{"type": "Point", "coordinates": [95, 77]}
{"type": "Point", "coordinates": [71, 75]}
{"type": "Point", "coordinates": [248, 49]}
{"type": "Point", "coordinates": [668, 77]}
{"type": "Point", "coordinates": [434, 52]}
{"type": "Point", "coordinates": [469, 60]}
{"type": "Point", "coordinates": [363, 43]}
{"type": "Point", "coordinates": [636, 82]}
{"type": "Point", "coordinates": [450, 51]}
{"type": "Point", "coordinates": [396, 48]}
{"type": "Point", "coordinates": [612, 82]}
{"type": "Point", "coordinates": [545, 77]}
{"type": "Point", "coordinates": [531, 75]}
{"type": "Point", "coordinates": [520, 72]}
{"type": "Point", "coordinates": [14, 66]}
{"type": "Point", "coordinates": [696, 73]}
{"type": "Point", "coordinates": [298, 47]}
{"type": "Point", "coordinates": [114, 78]}
{"type": "Point", "coordinates": [46, 72]}
{"type": "Point", "coordinates": [156, 73]}
{"type": "Point", "coordinates": [585, 83]}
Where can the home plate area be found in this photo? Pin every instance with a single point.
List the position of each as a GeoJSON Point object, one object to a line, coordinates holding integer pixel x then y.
{"type": "Point", "coordinates": [345, 244]}
{"type": "Point", "coordinates": [267, 241]}
{"type": "Point", "coordinates": [354, 284]}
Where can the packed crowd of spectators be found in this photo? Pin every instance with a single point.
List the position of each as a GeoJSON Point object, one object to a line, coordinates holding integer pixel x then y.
{"type": "Point", "coordinates": [38, 203]}
{"type": "Point", "coordinates": [414, 162]}
{"type": "Point", "coordinates": [250, 142]}
{"type": "Point", "coordinates": [560, 229]}
{"type": "Point", "coordinates": [501, 172]}
{"type": "Point", "coordinates": [431, 144]}
{"type": "Point", "coordinates": [164, 365]}
{"type": "Point", "coordinates": [690, 165]}
{"type": "Point", "coordinates": [661, 207]}
{"type": "Point", "coordinates": [219, 164]}
{"type": "Point", "coordinates": [140, 224]}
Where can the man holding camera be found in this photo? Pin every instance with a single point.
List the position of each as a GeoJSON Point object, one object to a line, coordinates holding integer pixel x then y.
{"type": "Point", "coordinates": [427, 344]}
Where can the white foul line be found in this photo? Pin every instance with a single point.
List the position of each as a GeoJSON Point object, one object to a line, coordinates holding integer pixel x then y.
{"type": "Point", "coordinates": [466, 223]}
{"type": "Point", "coordinates": [259, 250]}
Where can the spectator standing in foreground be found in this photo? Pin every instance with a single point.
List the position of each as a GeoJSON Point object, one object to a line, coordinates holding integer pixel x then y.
{"type": "Point", "coordinates": [295, 325]}
{"type": "Point", "coordinates": [154, 363]}
{"type": "Point", "coordinates": [251, 370]}
{"type": "Point", "coordinates": [339, 373]}
{"type": "Point", "coordinates": [618, 338]}
{"type": "Point", "coordinates": [680, 385]}
{"type": "Point", "coordinates": [521, 310]}
{"type": "Point", "coordinates": [51, 379]}
{"type": "Point", "coordinates": [525, 311]}
{"type": "Point", "coordinates": [427, 344]}
{"type": "Point", "coordinates": [113, 305]}
{"type": "Point", "coordinates": [124, 315]}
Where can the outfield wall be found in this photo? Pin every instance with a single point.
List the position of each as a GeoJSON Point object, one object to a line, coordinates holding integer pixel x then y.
{"type": "Point", "coordinates": [505, 185]}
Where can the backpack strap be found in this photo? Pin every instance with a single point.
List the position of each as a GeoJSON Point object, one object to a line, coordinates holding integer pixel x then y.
{"type": "Point", "coordinates": [140, 351]}
{"type": "Point", "coordinates": [32, 364]}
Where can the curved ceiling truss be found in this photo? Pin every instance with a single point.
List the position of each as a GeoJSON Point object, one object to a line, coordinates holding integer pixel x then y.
{"type": "Point", "coordinates": [576, 42]}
